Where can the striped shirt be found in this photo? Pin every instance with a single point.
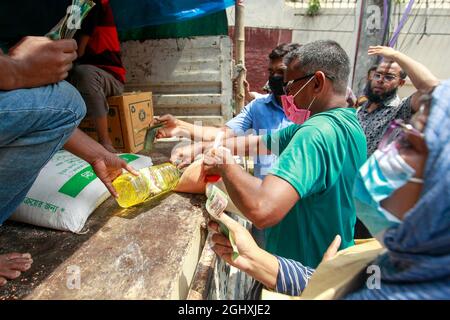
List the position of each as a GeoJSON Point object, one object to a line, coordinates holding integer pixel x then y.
{"type": "Point", "coordinates": [292, 279]}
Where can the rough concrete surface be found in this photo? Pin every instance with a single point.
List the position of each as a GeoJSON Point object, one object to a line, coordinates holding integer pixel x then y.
{"type": "Point", "coordinates": [146, 252]}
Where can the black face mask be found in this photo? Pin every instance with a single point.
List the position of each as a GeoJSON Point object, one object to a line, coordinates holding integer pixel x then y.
{"type": "Point", "coordinates": [276, 84]}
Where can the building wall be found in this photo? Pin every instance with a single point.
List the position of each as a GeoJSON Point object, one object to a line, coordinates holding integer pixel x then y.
{"type": "Point", "coordinates": [259, 43]}
{"type": "Point", "coordinates": [338, 21]}
{"type": "Point", "coordinates": [190, 77]}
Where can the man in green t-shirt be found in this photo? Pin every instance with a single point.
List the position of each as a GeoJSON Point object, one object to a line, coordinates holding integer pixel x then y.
{"type": "Point", "coordinates": [306, 200]}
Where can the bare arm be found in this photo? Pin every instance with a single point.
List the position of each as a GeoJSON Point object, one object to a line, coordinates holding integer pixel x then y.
{"type": "Point", "coordinates": [202, 133]}
{"type": "Point", "coordinates": [81, 145]}
{"type": "Point", "coordinates": [263, 202]}
{"type": "Point", "coordinates": [260, 264]}
{"type": "Point", "coordinates": [9, 78]}
{"type": "Point", "coordinates": [106, 165]}
{"type": "Point", "coordinates": [241, 146]}
{"type": "Point", "coordinates": [421, 77]}
{"type": "Point", "coordinates": [248, 145]}
{"type": "Point", "coordinates": [82, 44]}
{"type": "Point", "coordinates": [174, 127]}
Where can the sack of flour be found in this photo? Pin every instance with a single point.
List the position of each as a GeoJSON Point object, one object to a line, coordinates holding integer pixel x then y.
{"type": "Point", "coordinates": [66, 192]}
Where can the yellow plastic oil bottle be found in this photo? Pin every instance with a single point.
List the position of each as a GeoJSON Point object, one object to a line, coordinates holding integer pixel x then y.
{"type": "Point", "coordinates": [151, 182]}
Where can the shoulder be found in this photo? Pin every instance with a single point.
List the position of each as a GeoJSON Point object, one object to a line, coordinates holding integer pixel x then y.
{"type": "Point", "coordinates": [334, 124]}
{"type": "Point", "coordinates": [404, 108]}
{"type": "Point", "coordinates": [406, 102]}
{"type": "Point", "coordinates": [260, 107]}
{"type": "Point", "coordinates": [263, 99]}
{"type": "Point", "coordinates": [340, 117]}
{"type": "Point", "coordinates": [308, 134]}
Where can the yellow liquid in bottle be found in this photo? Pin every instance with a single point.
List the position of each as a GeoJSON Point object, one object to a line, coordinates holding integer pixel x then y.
{"type": "Point", "coordinates": [152, 182]}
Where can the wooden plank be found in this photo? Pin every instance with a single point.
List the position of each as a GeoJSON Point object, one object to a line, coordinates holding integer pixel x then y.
{"type": "Point", "coordinates": [201, 66]}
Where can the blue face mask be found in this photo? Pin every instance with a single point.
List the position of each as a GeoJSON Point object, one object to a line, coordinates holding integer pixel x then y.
{"type": "Point", "coordinates": [382, 174]}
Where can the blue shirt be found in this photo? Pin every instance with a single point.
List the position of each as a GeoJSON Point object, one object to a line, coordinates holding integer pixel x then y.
{"type": "Point", "coordinates": [261, 116]}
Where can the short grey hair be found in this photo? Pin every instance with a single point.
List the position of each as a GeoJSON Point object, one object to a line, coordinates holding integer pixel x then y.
{"type": "Point", "coordinates": [326, 56]}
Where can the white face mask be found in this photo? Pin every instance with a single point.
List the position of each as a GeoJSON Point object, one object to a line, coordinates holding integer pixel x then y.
{"type": "Point", "coordinates": [382, 174]}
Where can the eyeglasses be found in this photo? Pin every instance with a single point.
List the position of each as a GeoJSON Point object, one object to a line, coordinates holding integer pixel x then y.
{"type": "Point", "coordinates": [288, 84]}
{"type": "Point", "coordinates": [385, 77]}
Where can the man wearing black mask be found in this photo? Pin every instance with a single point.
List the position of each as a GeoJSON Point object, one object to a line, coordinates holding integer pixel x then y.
{"type": "Point", "coordinates": [264, 113]}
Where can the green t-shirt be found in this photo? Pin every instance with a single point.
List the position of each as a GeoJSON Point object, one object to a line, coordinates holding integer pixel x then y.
{"type": "Point", "coordinates": [320, 160]}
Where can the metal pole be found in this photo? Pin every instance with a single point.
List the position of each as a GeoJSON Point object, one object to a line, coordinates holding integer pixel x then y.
{"type": "Point", "coordinates": [370, 34]}
{"type": "Point", "coordinates": [239, 45]}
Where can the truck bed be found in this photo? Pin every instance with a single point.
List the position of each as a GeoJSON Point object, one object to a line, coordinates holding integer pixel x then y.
{"type": "Point", "coordinates": [146, 252]}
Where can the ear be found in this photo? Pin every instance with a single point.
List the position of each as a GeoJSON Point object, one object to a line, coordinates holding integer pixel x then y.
{"type": "Point", "coordinates": [401, 82]}
{"type": "Point", "coordinates": [319, 82]}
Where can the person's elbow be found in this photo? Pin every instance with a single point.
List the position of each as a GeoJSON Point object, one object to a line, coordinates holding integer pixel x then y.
{"type": "Point", "coordinates": [428, 85]}
{"type": "Point", "coordinates": [434, 83]}
{"type": "Point", "coordinates": [264, 215]}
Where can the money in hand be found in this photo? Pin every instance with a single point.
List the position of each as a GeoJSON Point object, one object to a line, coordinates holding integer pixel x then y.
{"type": "Point", "coordinates": [71, 22]}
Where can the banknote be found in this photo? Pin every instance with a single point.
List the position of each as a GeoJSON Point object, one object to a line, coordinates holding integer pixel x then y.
{"type": "Point", "coordinates": [215, 205]}
{"type": "Point", "coordinates": [71, 22]}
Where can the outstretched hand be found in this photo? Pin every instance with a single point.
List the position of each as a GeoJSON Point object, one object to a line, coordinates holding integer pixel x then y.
{"type": "Point", "coordinates": [184, 154]}
{"type": "Point", "coordinates": [109, 167]}
{"type": "Point", "coordinates": [170, 128]}
{"type": "Point", "coordinates": [385, 52]}
{"type": "Point", "coordinates": [214, 159]}
{"type": "Point", "coordinates": [247, 247]}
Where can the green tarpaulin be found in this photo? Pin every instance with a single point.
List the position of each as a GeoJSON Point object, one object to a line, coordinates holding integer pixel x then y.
{"type": "Point", "coordinates": [210, 25]}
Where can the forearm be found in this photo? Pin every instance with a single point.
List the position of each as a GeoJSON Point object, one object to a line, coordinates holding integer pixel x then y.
{"type": "Point", "coordinates": [10, 78]}
{"type": "Point", "coordinates": [421, 77]}
{"type": "Point", "coordinates": [82, 44]}
{"type": "Point", "coordinates": [200, 133]}
{"type": "Point", "coordinates": [243, 146]}
{"type": "Point", "coordinates": [263, 267]}
{"type": "Point", "coordinates": [246, 193]}
{"type": "Point", "coordinates": [81, 145]}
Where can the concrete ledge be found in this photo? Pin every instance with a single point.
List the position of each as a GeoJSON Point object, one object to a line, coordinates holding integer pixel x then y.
{"type": "Point", "coordinates": [146, 252]}
{"type": "Point", "coordinates": [202, 280]}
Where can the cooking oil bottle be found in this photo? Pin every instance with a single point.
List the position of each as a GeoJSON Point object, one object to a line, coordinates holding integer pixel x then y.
{"type": "Point", "coordinates": [151, 182]}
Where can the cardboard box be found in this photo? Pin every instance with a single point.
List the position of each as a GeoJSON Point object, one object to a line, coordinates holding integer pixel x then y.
{"type": "Point", "coordinates": [129, 115]}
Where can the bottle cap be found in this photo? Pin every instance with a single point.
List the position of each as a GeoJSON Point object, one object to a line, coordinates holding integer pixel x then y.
{"type": "Point", "coordinates": [212, 178]}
